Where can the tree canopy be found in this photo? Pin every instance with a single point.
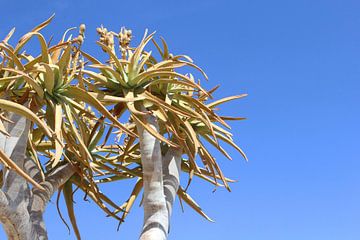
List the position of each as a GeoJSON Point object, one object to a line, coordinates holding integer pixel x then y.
{"type": "Point", "coordinates": [86, 113]}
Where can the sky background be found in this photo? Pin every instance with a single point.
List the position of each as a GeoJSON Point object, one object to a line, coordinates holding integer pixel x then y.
{"type": "Point", "coordinates": [299, 61]}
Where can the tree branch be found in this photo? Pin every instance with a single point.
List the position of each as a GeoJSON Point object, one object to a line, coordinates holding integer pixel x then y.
{"type": "Point", "coordinates": [171, 171]}
{"type": "Point", "coordinates": [41, 198]}
{"type": "Point", "coordinates": [51, 185]}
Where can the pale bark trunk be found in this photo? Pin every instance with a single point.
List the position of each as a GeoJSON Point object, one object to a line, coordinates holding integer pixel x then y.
{"type": "Point", "coordinates": [15, 190]}
{"type": "Point", "coordinates": [155, 225]}
{"type": "Point", "coordinates": [171, 173]}
{"type": "Point", "coordinates": [22, 208]}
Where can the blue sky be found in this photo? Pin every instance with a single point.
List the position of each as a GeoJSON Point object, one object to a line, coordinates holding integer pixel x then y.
{"type": "Point", "coordinates": [299, 61]}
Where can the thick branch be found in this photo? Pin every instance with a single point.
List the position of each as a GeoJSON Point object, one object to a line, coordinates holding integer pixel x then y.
{"type": "Point", "coordinates": [171, 171]}
{"type": "Point", "coordinates": [15, 220]}
{"type": "Point", "coordinates": [41, 198]}
{"type": "Point", "coordinates": [51, 185]}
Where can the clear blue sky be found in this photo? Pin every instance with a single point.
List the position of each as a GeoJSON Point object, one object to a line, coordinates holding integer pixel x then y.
{"type": "Point", "coordinates": [299, 61]}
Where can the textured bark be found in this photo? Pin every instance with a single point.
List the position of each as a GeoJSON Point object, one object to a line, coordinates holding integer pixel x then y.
{"type": "Point", "coordinates": [22, 208]}
{"type": "Point", "coordinates": [40, 198]}
{"type": "Point", "coordinates": [155, 225]}
{"type": "Point", "coordinates": [16, 192]}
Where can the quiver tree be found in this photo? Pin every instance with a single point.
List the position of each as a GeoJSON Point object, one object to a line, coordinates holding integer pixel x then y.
{"type": "Point", "coordinates": [61, 129]}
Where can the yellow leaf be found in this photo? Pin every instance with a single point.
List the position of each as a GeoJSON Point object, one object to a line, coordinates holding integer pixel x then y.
{"type": "Point", "coordinates": [68, 196]}
{"type": "Point", "coordinates": [44, 49]}
{"type": "Point", "coordinates": [43, 24]}
{"type": "Point", "coordinates": [191, 202]}
{"type": "Point", "coordinates": [82, 95]}
{"type": "Point", "coordinates": [21, 110]}
{"type": "Point", "coordinates": [134, 194]}
{"type": "Point", "coordinates": [223, 100]}
{"type": "Point", "coordinates": [58, 146]}
{"type": "Point", "coordinates": [49, 78]}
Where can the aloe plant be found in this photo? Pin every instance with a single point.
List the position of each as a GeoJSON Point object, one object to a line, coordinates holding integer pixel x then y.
{"type": "Point", "coordinates": [68, 119]}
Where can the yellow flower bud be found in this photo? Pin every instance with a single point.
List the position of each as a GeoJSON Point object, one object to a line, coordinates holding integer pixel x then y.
{"type": "Point", "coordinates": [99, 30]}
{"type": "Point", "coordinates": [82, 28]}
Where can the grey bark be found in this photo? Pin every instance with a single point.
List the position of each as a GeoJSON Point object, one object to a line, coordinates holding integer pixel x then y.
{"type": "Point", "coordinates": [22, 207]}
{"type": "Point", "coordinates": [171, 174]}
{"type": "Point", "coordinates": [155, 225]}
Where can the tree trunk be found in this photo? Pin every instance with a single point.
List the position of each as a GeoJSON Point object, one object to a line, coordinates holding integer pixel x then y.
{"type": "Point", "coordinates": [155, 225]}
{"type": "Point", "coordinates": [22, 208]}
